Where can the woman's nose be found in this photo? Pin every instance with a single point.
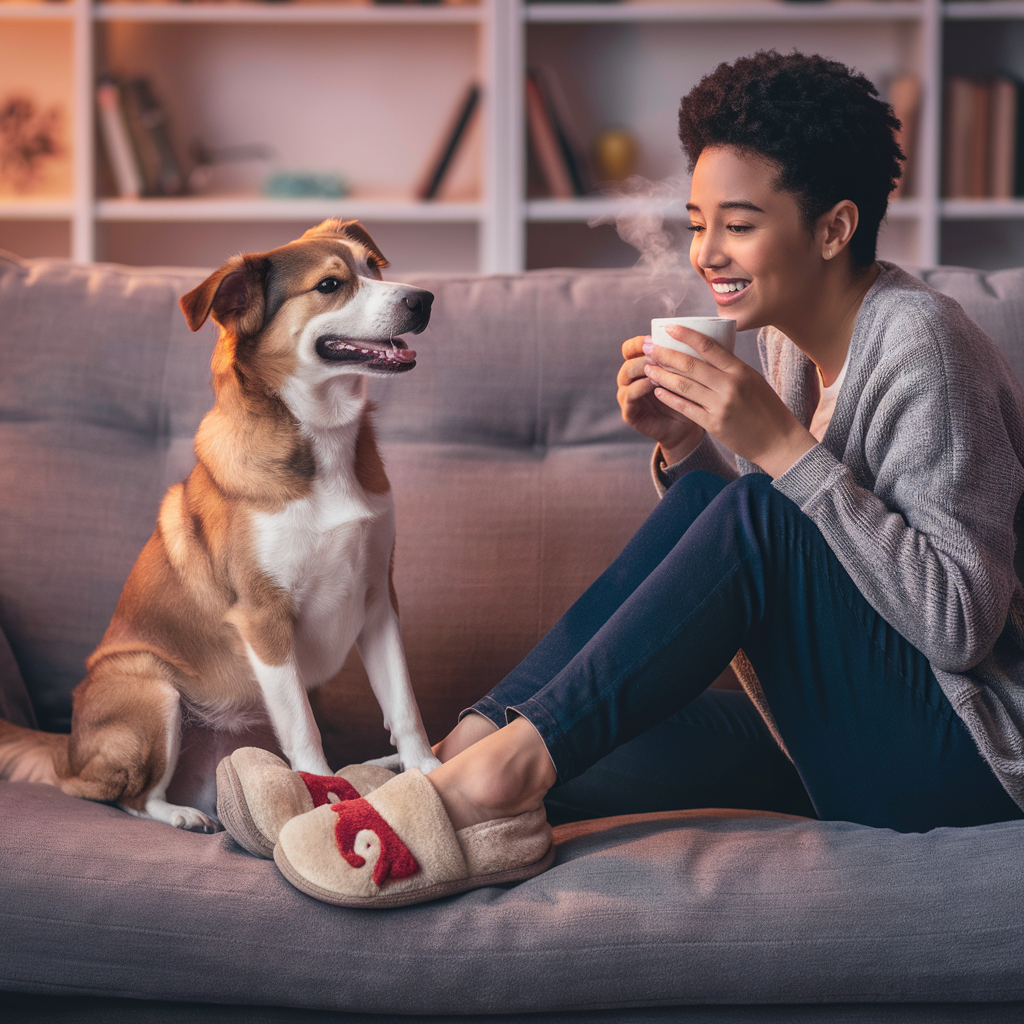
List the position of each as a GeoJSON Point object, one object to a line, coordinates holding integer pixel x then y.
{"type": "Point", "coordinates": [712, 255]}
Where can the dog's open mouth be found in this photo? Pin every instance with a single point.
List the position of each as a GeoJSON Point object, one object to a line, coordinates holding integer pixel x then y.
{"type": "Point", "coordinates": [392, 356]}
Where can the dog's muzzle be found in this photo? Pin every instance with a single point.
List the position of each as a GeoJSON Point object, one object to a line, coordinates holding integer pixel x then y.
{"type": "Point", "coordinates": [418, 301]}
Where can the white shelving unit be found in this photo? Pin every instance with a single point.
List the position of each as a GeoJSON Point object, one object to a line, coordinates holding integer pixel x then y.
{"type": "Point", "coordinates": [620, 62]}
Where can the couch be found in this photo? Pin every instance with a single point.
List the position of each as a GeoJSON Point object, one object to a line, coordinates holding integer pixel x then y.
{"type": "Point", "coordinates": [515, 482]}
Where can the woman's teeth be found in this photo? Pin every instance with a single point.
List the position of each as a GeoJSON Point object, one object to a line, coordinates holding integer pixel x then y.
{"type": "Point", "coordinates": [733, 286]}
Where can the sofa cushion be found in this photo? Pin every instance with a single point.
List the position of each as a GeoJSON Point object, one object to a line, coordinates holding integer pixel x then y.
{"type": "Point", "coordinates": [690, 907]}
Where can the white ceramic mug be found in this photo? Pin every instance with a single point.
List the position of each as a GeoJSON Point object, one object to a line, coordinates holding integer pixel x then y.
{"type": "Point", "coordinates": [718, 328]}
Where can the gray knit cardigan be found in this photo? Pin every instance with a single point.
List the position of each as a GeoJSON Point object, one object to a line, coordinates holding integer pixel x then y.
{"type": "Point", "coordinates": [916, 486]}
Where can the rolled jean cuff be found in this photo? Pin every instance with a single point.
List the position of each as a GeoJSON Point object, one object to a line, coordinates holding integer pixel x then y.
{"type": "Point", "coordinates": [490, 709]}
{"type": "Point", "coordinates": [558, 750]}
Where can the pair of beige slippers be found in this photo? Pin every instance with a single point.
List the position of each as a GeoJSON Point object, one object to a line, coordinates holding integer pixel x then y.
{"type": "Point", "coordinates": [366, 837]}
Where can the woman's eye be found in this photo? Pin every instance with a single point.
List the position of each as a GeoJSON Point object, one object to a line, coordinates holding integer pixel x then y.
{"type": "Point", "coordinates": [695, 227]}
{"type": "Point", "coordinates": [739, 229]}
{"type": "Point", "coordinates": [327, 285]}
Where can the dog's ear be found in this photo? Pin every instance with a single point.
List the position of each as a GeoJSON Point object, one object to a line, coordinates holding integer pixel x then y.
{"type": "Point", "coordinates": [352, 231]}
{"type": "Point", "coordinates": [233, 295]}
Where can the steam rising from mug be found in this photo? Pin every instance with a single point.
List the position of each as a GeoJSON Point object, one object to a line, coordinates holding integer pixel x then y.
{"type": "Point", "coordinates": [644, 207]}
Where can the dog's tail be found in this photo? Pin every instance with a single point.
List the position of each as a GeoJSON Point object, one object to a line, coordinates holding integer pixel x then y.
{"type": "Point", "coordinates": [28, 755]}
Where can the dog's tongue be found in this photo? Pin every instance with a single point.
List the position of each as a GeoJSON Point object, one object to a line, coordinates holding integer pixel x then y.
{"type": "Point", "coordinates": [404, 355]}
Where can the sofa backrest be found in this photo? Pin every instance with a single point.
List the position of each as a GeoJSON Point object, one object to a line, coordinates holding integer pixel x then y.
{"type": "Point", "coordinates": [102, 386]}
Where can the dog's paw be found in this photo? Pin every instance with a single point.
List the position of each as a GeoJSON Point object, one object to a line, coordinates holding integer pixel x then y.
{"type": "Point", "coordinates": [426, 764]}
{"type": "Point", "coordinates": [188, 819]}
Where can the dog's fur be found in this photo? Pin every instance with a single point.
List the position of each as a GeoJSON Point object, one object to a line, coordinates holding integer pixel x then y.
{"type": "Point", "coordinates": [275, 555]}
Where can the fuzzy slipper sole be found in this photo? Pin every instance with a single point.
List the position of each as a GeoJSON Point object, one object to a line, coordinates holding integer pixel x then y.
{"type": "Point", "coordinates": [405, 899]}
{"type": "Point", "coordinates": [233, 811]}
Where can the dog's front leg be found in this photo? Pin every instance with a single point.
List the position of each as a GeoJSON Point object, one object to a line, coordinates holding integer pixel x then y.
{"type": "Point", "coordinates": [380, 646]}
{"type": "Point", "coordinates": [290, 714]}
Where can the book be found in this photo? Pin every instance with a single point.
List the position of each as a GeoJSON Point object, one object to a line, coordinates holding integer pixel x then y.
{"type": "Point", "coordinates": [442, 163]}
{"type": "Point", "coordinates": [958, 164]}
{"type": "Point", "coordinates": [977, 166]}
{"type": "Point", "coordinates": [545, 143]}
{"type": "Point", "coordinates": [905, 100]}
{"type": "Point", "coordinates": [162, 173]}
{"type": "Point", "coordinates": [573, 153]}
{"type": "Point", "coordinates": [116, 140]}
{"type": "Point", "coordinates": [1002, 152]}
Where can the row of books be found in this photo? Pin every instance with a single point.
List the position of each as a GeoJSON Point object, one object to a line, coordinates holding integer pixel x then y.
{"type": "Point", "coordinates": [554, 150]}
{"type": "Point", "coordinates": [133, 127]}
{"type": "Point", "coordinates": [556, 158]}
{"type": "Point", "coordinates": [981, 138]}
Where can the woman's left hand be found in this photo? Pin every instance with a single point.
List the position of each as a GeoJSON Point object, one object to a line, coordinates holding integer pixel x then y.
{"type": "Point", "coordinates": [729, 399]}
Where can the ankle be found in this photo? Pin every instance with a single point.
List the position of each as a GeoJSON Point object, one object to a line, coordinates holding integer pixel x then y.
{"type": "Point", "coordinates": [470, 730]}
{"type": "Point", "coordinates": [504, 774]}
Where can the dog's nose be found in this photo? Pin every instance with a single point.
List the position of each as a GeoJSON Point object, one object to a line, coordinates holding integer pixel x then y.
{"type": "Point", "coordinates": [419, 301]}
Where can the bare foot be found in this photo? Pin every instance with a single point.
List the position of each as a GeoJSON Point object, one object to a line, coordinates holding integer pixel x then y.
{"type": "Point", "coordinates": [472, 728]}
{"type": "Point", "coordinates": [501, 775]}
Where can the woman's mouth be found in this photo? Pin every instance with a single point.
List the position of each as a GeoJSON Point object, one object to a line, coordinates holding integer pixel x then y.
{"type": "Point", "coordinates": [728, 290]}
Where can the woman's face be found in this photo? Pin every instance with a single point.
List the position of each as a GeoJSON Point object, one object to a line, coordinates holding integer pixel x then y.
{"type": "Point", "coordinates": [750, 244]}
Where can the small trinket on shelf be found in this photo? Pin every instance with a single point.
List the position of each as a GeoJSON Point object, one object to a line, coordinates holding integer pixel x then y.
{"type": "Point", "coordinates": [615, 154]}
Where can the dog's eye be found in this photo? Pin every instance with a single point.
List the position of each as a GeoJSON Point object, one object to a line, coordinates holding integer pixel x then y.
{"type": "Point", "coordinates": [328, 285]}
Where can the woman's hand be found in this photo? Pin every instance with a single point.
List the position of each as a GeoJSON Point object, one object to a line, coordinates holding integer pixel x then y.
{"type": "Point", "coordinates": [729, 399]}
{"type": "Point", "coordinates": [677, 434]}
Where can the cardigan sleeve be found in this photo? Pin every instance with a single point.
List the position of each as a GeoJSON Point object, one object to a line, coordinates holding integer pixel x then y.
{"type": "Point", "coordinates": [707, 455]}
{"type": "Point", "coordinates": [930, 541]}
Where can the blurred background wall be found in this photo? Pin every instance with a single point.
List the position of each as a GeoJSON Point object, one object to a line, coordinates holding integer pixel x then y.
{"type": "Point", "coordinates": [485, 136]}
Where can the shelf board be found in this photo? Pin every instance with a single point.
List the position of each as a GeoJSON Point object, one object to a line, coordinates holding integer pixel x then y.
{"type": "Point", "coordinates": [32, 12]}
{"type": "Point", "coordinates": [247, 12]}
{"type": "Point", "coordinates": [984, 10]}
{"type": "Point", "coordinates": [602, 207]}
{"type": "Point", "coordinates": [257, 209]}
{"type": "Point", "coordinates": [36, 209]}
{"type": "Point", "coordinates": [607, 208]}
{"type": "Point", "coordinates": [981, 209]}
{"type": "Point", "coordinates": [727, 11]}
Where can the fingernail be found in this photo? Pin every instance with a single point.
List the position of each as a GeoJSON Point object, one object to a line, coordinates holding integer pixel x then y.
{"type": "Point", "coordinates": [648, 346]}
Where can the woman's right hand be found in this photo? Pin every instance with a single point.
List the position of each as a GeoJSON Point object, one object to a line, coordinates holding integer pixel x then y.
{"type": "Point", "coordinates": [676, 434]}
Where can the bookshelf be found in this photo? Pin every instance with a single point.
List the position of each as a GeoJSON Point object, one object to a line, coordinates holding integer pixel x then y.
{"type": "Point", "coordinates": [312, 79]}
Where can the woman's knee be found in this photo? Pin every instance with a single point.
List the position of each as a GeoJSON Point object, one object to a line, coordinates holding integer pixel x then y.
{"type": "Point", "coordinates": [699, 486]}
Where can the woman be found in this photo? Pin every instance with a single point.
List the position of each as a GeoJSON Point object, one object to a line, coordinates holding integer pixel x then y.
{"type": "Point", "coordinates": [861, 560]}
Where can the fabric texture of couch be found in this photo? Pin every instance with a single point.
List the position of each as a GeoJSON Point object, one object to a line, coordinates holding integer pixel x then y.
{"type": "Point", "coordinates": [515, 483]}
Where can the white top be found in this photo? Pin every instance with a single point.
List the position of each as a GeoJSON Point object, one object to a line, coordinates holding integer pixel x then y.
{"type": "Point", "coordinates": [827, 400]}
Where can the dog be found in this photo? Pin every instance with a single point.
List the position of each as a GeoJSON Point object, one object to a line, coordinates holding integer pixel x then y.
{"type": "Point", "coordinates": [274, 556]}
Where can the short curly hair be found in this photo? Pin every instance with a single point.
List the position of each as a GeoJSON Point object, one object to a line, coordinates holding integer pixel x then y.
{"type": "Point", "coordinates": [821, 123]}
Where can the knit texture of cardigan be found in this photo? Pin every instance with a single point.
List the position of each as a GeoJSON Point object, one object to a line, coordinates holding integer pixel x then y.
{"type": "Point", "coordinates": [916, 486]}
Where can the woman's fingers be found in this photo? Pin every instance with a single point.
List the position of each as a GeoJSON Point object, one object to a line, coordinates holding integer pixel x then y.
{"type": "Point", "coordinates": [633, 347]}
{"type": "Point", "coordinates": [708, 349]}
{"type": "Point", "coordinates": [632, 369]}
{"type": "Point", "coordinates": [681, 384]}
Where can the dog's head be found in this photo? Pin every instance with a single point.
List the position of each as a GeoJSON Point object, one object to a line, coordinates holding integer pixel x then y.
{"type": "Point", "coordinates": [311, 317]}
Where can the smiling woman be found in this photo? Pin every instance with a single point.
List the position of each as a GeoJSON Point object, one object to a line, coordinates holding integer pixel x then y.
{"type": "Point", "coordinates": [854, 560]}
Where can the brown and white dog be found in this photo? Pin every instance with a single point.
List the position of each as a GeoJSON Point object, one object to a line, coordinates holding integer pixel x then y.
{"type": "Point", "coordinates": [274, 557]}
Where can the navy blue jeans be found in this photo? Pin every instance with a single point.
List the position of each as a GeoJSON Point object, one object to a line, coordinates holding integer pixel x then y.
{"type": "Point", "coordinates": [616, 686]}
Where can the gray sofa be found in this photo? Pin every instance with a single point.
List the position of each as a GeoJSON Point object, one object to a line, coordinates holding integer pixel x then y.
{"type": "Point", "coordinates": [515, 483]}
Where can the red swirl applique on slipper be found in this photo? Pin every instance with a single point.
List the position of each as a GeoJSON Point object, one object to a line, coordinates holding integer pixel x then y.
{"type": "Point", "coordinates": [328, 789]}
{"type": "Point", "coordinates": [397, 846]}
{"type": "Point", "coordinates": [394, 861]}
{"type": "Point", "coordinates": [257, 793]}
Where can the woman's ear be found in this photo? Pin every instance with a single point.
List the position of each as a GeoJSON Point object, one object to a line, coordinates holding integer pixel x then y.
{"type": "Point", "coordinates": [836, 228]}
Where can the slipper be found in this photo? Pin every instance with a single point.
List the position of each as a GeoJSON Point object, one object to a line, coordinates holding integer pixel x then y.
{"type": "Point", "coordinates": [397, 847]}
{"type": "Point", "coordinates": [257, 793]}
